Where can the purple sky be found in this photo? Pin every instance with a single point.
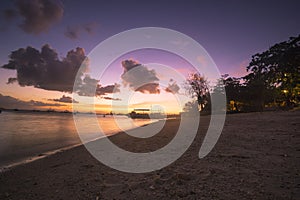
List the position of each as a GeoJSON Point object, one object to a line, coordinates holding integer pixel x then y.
{"type": "Point", "coordinates": [230, 31]}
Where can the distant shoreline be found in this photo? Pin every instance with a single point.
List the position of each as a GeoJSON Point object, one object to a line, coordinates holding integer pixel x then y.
{"type": "Point", "coordinates": [50, 111]}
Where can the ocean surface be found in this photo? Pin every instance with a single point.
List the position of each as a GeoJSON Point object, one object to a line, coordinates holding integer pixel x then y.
{"type": "Point", "coordinates": [25, 136]}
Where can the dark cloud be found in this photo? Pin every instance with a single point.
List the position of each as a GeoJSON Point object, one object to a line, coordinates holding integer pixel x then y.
{"type": "Point", "coordinates": [11, 80]}
{"type": "Point", "coordinates": [172, 87]}
{"type": "Point", "coordinates": [74, 32]}
{"type": "Point", "coordinates": [38, 15]}
{"type": "Point", "coordinates": [11, 103]}
{"type": "Point", "coordinates": [9, 14]}
{"type": "Point", "coordinates": [139, 78]}
{"type": "Point", "coordinates": [87, 87]}
{"type": "Point", "coordinates": [43, 69]}
{"type": "Point", "coordinates": [42, 104]}
{"type": "Point", "coordinates": [109, 89]}
{"type": "Point", "coordinates": [111, 98]}
{"type": "Point", "coordinates": [151, 88]}
{"type": "Point", "coordinates": [129, 64]}
{"type": "Point", "coordinates": [90, 27]}
{"type": "Point", "coordinates": [65, 99]}
{"type": "Point", "coordinates": [91, 87]}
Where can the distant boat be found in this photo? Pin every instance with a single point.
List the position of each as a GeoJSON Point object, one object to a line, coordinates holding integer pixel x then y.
{"type": "Point", "coordinates": [142, 113]}
{"type": "Point", "coordinates": [135, 115]}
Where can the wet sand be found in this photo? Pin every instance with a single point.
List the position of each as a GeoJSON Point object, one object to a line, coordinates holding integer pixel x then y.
{"type": "Point", "coordinates": [256, 157]}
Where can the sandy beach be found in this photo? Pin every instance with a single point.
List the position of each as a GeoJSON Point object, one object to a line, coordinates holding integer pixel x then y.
{"type": "Point", "coordinates": [256, 157]}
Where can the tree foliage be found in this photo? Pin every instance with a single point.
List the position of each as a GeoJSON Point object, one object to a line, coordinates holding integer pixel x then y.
{"type": "Point", "coordinates": [197, 87]}
{"type": "Point", "coordinates": [275, 74]}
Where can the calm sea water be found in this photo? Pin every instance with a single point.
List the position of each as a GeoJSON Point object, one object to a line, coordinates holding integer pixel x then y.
{"type": "Point", "coordinates": [25, 135]}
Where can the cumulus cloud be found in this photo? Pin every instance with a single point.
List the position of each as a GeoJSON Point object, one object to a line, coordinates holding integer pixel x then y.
{"type": "Point", "coordinates": [43, 69]}
{"type": "Point", "coordinates": [65, 99]}
{"type": "Point", "coordinates": [109, 89]}
{"type": "Point", "coordinates": [36, 16]}
{"type": "Point", "coordinates": [87, 87]}
{"type": "Point", "coordinates": [139, 78]}
{"type": "Point", "coordinates": [91, 87]}
{"type": "Point", "coordinates": [11, 103]}
{"type": "Point", "coordinates": [172, 87]}
{"type": "Point", "coordinates": [151, 88]}
{"type": "Point", "coordinates": [74, 32]}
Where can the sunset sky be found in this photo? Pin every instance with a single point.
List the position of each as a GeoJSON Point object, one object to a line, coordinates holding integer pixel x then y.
{"type": "Point", "coordinates": [62, 33]}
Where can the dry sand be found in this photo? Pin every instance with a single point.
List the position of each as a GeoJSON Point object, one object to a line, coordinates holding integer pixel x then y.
{"type": "Point", "coordinates": [256, 157]}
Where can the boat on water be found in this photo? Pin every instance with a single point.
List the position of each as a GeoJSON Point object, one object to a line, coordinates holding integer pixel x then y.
{"type": "Point", "coordinates": [135, 115]}
{"type": "Point", "coordinates": [142, 113]}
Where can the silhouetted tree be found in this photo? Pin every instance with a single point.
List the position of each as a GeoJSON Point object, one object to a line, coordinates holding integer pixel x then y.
{"type": "Point", "coordinates": [217, 93]}
{"type": "Point", "coordinates": [234, 90]}
{"type": "Point", "coordinates": [191, 107]}
{"type": "Point", "coordinates": [197, 87]}
{"type": "Point", "coordinates": [275, 74]}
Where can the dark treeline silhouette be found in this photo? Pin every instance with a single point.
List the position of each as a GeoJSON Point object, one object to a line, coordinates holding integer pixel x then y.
{"type": "Point", "coordinates": [273, 82]}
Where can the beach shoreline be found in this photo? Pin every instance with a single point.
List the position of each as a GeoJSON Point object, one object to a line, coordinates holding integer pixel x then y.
{"type": "Point", "coordinates": [45, 154]}
{"type": "Point", "coordinates": [256, 157]}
